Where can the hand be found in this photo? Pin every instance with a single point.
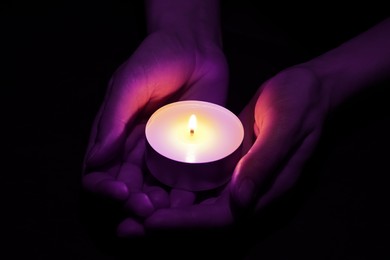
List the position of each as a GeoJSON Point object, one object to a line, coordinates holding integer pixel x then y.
{"type": "Point", "coordinates": [287, 119]}
{"type": "Point", "coordinates": [163, 69]}
{"type": "Point", "coordinates": [282, 126]}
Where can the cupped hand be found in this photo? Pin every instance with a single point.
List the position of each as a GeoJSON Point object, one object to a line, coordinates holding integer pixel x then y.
{"type": "Point", "coordinates": [282, 124]}
{"type": "Point", "coordinates": [164, 68]}
{"type": "Point", "coordinates": [287, 119]}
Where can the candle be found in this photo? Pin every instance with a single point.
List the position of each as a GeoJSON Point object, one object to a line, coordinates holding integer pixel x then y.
{"type": "Point", "coordinates": [190, 143]}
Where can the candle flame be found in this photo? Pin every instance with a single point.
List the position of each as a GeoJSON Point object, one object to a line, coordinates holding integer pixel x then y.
{"type": "Point", "coordinates": [192, 124]}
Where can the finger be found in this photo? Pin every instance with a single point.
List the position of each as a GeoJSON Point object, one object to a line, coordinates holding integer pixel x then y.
{"type": "Point", "coordinates": [105, 184]}
{"type": "Point", "coordinates": [181, 198]}
{"type": "Point", "coordinates": [130, 228]}
{"type": "Point", "coordinates": [140, 204]}
{"type": "Point", "coordinates": [131, 169]}
{"type": "Point", "coordinates": [200, 216]}
{"type": "Point", "coordinates": [132, 176]}
{"type": "Point", "coordinates": [158, 196]}
{"type": "Point", "coordinates": [135, 145]}
{"type": "Point", "coordinates": [290, 173]}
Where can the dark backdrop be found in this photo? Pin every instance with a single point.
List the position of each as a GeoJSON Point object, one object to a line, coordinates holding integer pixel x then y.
{"type": "Point", "coordinates": [56, 61]}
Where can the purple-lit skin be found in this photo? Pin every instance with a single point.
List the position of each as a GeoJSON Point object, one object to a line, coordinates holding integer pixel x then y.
{"type": "Point", "coordinates": [180, 59]}
{"type": "Point", "coordinates": [283, 123]}
{"type": "Point", "coordinates": [292, 106]}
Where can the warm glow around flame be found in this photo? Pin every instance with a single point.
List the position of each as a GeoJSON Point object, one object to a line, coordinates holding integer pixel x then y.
{"type": "Point", "coordinates": [192, 124]}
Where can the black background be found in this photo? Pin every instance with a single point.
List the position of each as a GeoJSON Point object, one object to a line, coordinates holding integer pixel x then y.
{"type": "Point", "coordinates": [56, 61]}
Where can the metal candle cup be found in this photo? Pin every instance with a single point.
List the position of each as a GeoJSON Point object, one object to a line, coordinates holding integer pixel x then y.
{"type": "Point", "coordinates": [190, 144]}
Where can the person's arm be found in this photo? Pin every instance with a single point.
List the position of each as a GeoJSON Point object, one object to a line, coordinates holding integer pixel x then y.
{"type": "Point", "coordinates": [356, 64]}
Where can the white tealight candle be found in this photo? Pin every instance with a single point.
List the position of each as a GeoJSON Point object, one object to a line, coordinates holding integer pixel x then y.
{"type": "Point", "coordinates": [189, 144]}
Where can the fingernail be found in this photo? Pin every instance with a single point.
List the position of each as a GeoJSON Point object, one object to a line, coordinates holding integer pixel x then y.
{"type": "Point", "coordinates": [245, 192]}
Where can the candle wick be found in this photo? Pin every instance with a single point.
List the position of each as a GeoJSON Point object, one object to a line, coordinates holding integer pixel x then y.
{"type": "Point", "coordinates": [192, 132]}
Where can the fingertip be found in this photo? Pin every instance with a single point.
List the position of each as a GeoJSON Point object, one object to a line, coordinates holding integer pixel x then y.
{"type": "Point", "coordinates": [243, 191]}
{"type": "Point", "coordinates": [129, 228]}
{"type": "Point", "coordinates": [104, 184]}
{"type": "Point", "coordinates": [181, 198]}
{"type": "Point", "coordinates": [161, 219]}
{"type": "Point", "coordinates": [159, 198]}
{"type": "Point", "coordinates": [113, 189]}
{"type": "Point", "coordinates": [132, 176]}
{"type": "Point", "coordinates": [139, 204]}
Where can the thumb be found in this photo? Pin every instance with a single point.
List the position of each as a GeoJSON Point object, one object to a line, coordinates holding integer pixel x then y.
{"type": "Point", "coordinates": [243, 187]}
{"type": "Point", "coordinates": [122, 103]}
{"type": "Point", "coordinates": [258, 167]}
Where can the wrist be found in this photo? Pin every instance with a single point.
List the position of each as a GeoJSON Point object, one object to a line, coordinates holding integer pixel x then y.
{"type": "Point", "coordinates": [195, 20]}
{"type": "Point", "coordinates": [332, 79]}
{"type": "Point", "coordinates": [354, 65]}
